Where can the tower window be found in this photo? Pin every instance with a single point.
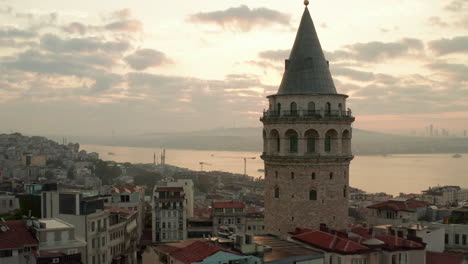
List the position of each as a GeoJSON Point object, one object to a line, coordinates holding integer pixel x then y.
{"type": "Point", "coordinates": [292, 175]}
{"type": "Point", "coordinates": [292, 218]}
{"type": "Point", "coordinates": [331, 175]}
{"type": "Point", "coordinates": [328, 143]}
{"type": "Point", "coordinates": [313, 176]}
{"type": "Point", "coordinates": [311, 144]}
{"type": "Point", "coordinates": [276, 174]}
{"type": "Point", "coordinates": [328, 108]}
{"type": "Point", "coordinates": [293, 108]}
{"type": "Point", "coordinates": [313, 195]}
{"type": "Point", "coordinates": [277, 192]}
{"type": "Point", "coordinates": [293, 143]}
{"type": "Point", "coordinates": [345, 192]}
{"type": "Point", "coordinates": [278, 144]}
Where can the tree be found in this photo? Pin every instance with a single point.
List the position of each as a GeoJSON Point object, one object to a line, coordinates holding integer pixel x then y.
{"type": "Point", "coordinates": [105, 172]}
{"type": "Point", "coordinates": [49, 175]}
{"type": "Point", "coordinates": [147, 178]}
{"type": "Point", "coordinates": [71, 172]}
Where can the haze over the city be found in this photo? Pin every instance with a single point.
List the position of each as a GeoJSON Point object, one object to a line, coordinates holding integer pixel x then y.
{"type": "Point", "coordinates": [93, 67]}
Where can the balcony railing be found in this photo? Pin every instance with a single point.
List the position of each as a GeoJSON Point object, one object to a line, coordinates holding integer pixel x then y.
{"type": "Point", "coordinates": [307, 114]}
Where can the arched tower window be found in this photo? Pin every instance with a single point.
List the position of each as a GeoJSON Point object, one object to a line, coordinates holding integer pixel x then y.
{"type": "Point", "coordinates": [293, 108]}
{"type": "Point", "coordinates": [331, 175]}
{"type": "Point", "coordinates": [311, 107]}
{"type": "Point", "coordinates": [314, 176]}
{"type": "Point", "coordinates": [292, 136]}
{"type": "Point", "coordinates": [328, 108]}
{"type": "Point", "coordinates": [345, 192]}
{"type": "Point", "coordinates": [313, 195]}
{"type": "Point", "coordinates": [292, 175]}
{"type": "Point", "coordinates": [346, 142]}
{"type": "Point", "coordinates": [330, 136]}
{"type": "Point", "coordinates": [277, 192]}
{"type": "Point", "coordinates": [278, 109]}
{"type": "Point", "coordinates": [275, 145]}
{"type": "Point", "coordinates": [311, 137]}
{"type": "Point", "coordinates": [265, 141]}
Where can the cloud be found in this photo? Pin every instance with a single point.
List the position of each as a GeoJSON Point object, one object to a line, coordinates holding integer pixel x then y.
{"type": "Point", "coordinates": [377, 51]}
{"type": "Point", "coordinates": [129, 25]}
{"type": "Point", "coordinates": [455, 72]}
{"type": "Point", "coordinates": [146, 58]}
{"type": "Point", "coordinates": [352, 74]}
{"type": "Point", "coordinates": [53, 43]}
{"type": "Point", "coordinates": [437, 21]}
{"type": "Point", "coordinates": [11, 32]}
{"type": "Point", "coordinates": [457, 6]}
{"type": "Point", "coordinates": [275, 55]}
{"type": "Point", "coordinates": [243, 18]}
{"type": "Point", "coordinates": [448, 46]}
{"type": "Point", "coordinates": [122, 14]}
{"type": "Point", "coordinates": [75, 28]}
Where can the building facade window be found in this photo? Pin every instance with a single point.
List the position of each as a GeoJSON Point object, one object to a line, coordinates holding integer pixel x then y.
{"type": "Point", "coordinates": [311, 144]}
{"type": "Point", "coordinates": [293, 108]}
{"type": "Point", "coordinates": [313, 195]}
{"type": "Point", "coordinates": [328, 140]}
{"type": "Point", "coordinates": [293, 143]}
{"type": "Point", "coordinates": [457, 239]}
{"type": "Point", "coordinates": [331, 175]}
{"type": "Point", "coordinates": [464, 240]}
{"type": "Point", "coordinates": [446, 238]}
{"type": "Point", "coordinates": [292, 175]}
{"type": "Point", "coordinates": [277, 192]}
{"type": "Point", "coordinates": [314, 176]}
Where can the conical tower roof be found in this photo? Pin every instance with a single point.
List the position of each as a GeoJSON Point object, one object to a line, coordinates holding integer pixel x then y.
{"type": "Point", "coordinates": [307, 71]}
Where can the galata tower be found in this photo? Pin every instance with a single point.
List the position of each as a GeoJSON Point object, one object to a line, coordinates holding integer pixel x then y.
{"type": "Point", "coordinates": [307, 142]}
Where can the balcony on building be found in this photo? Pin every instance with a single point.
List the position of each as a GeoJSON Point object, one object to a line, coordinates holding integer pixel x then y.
{"type": "Point", "coordinates": [307, 114]}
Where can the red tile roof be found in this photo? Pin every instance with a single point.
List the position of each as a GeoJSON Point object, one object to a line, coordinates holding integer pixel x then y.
{"type": "Point", "coordinates": [18, 236]}
{"type": "Point", "coordinates": [399, 205]}
{"type": "Point", "coordinates": [394, 241]}
{"type": "Point", "coordinates": [228, 205]}
{"type": "Point", "coordinates": [196, 252]}
{"type": "Point", "coordinates": [338, 241]}
{"type": "Point", "coordinates": [330, 242]}
{"type": "Point", "coordinates": [445, 258]}
{"type": "Point", "coordinates": [125, 213]}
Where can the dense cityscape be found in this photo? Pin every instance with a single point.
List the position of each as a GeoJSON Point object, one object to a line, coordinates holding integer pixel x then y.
{"type": "Point", "coordinates": [62, 204]}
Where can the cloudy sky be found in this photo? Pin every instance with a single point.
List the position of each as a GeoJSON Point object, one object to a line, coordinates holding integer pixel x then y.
{"type": "Point", "coordinates": [87, 67]}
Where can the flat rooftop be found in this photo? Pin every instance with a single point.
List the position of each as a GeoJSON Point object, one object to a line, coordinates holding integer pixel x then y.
{"type": "Point", "coordinates": [283, 251]}
{"type": "Point", "coordinates": [54, 224]}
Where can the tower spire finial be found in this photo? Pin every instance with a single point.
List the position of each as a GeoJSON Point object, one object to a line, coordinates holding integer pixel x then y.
{"type": "Point", "coordinates": [306, 2]}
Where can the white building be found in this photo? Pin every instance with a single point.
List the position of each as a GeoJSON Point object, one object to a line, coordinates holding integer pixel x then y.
{"type": "Point", "coordinates": [88, 216]}
{"type": "Point", "coordinates": [187, 184]}
{"type": "Point", "coordinates": [8, 203]}
{"type": "Point", "coordinates": [129, 197]}
{"type": "Point", "coordinates": [445, 195]}
{"type": "Point", "coordinates": [169, 214]}
{"type": "Point", "coordinates": [57, 241]}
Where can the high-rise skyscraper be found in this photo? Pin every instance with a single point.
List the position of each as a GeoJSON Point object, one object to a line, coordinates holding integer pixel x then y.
{"type": "Point", "coordinates": [307, 142]}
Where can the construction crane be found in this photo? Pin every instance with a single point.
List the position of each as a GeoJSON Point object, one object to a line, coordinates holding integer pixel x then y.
{"type": "Point", "coordinates": [244, 158]}
{"type": "Point", "coordinates": [203, 163]}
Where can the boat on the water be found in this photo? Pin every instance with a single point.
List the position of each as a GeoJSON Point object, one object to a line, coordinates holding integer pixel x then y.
{"type": "Point", "coordinates": [457, 156]}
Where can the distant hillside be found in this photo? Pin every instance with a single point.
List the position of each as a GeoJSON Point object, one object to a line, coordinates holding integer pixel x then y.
{"type": "Point", "coordinates": [250, 139]}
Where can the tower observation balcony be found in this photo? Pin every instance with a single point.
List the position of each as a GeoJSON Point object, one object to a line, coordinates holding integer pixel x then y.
{"type": "Point", "coordinates": [308, 115]}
